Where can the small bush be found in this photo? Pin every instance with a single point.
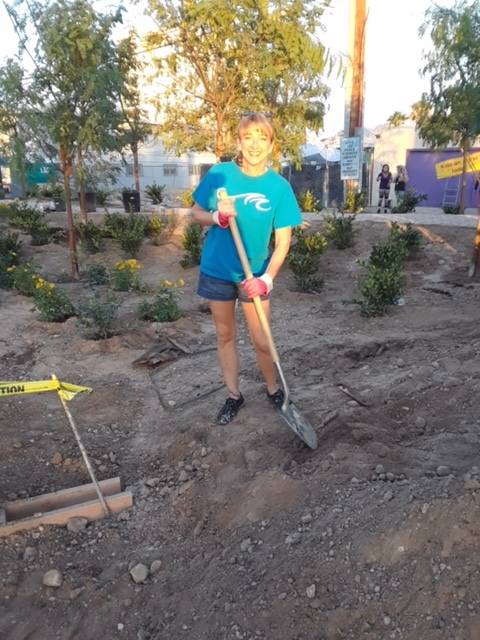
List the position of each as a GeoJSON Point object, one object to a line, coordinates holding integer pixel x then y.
{"type": "Point", "coordinates": [409, 202]}
{"type": "Point", "coordinates": [90, 235]}
{"type": "Point", "coordinates": [130, 232]}
{"type": "Point", "coordinates": [52, 191]}
{"type": "Point", "coordinates": [101, 196]}
{"type": "Point", "coordinates": [40, 234]}
{"type": "Point", "coordinates": [124, 276]}
{"type": "Point", "coordinates": [25, 279]}
{"type": "Point", "coordinates": [30, 220]}
{"type": "Point", "coordinates": [99, 316]}
{"type": "Point", "coordinates": [155, 192]}
{"type": "Point", "coordinates": [339, 230]}
{"type": "Point", "coordinates": [163, 308]}
{"type": "Point", "coordinates": [156, 229]}
{"type": "Point", "coordinates": [380, 289]}
{"type": "Point", "coordinates": [308, 203]}
{"type": "Point", "coordinates": [96, 274]}
{"type": "Point", "coordinates": [304, 259]}
{"type": "Point", "coordinates": [388, 255]}
{"type": "Point", "coordinates": [452, 210]}
{"type": "Point", "coordinates": [354, 202]}
{"type": "Point", "coordinates": [192, 244]}
{"type": "Point", "coordinates": [186, 198]}
{"type": "Point", "coordinates": [52, 303]}
{"type": "Point", "coordinates": [411, 238]}
{"type": "Point", "coordinates": [10, 248]}
{"type": "Point", "coordinates": [113, 223]}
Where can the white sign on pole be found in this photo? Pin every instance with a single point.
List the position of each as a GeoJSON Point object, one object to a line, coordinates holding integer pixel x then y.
{"type": "Point", "coordinates": [350, 159]}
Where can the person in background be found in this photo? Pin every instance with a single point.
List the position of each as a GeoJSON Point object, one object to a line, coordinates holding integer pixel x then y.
{"type": "Point", "coordinates": [385, 180]}
{"type": "Point", "coordinates": [400, 182]}
{"type": "Point", "coordinates": [262, 201]}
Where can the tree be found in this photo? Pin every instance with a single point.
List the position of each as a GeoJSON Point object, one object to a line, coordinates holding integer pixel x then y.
{"type": "Point", "coordinates": [135, 128]}
{"type": "Point", "coordinates": [73, 85]}
{"type": "Point", "coordinates": [397, 119]}
{"type": "Point", "coordinates": [449, 112]}
{"type": "Point", "coordinates": [228, 57]}
{"type": "Point", "coordinates": [13, 105]}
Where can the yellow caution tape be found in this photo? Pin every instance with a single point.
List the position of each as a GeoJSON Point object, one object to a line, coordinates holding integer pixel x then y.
{"type": "Point", "coordinates": [65, 390]}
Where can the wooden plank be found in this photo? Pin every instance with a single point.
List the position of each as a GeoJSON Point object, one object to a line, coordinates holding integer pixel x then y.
{"type": "Point", "coordinates": [92, 510]}
{"type": "Point", "coordinates": [58, 499]}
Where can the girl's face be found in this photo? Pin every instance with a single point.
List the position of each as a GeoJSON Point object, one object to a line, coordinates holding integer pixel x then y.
{"type": "Point", "coordinates": [255, 145]}
{"type": "Point", "coordinates": [385, 168]}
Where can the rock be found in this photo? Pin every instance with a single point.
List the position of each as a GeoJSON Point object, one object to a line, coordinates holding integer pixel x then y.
{"type": "Point", "coordinates": [379, 469]}
{"type": "Point", "coordinates": [52, 578]}
{"type": "Point", "coordinates": [139, 573]}
{"type": "Point", "coordinates": [307, 518]}
{"type": "Point", "coordinates": [311, 591]}
{"type": "Point", "coordinates": [152, 482]}
{"type": "Point", "coordinates": [442, 471]}
{"type": "Point", "coordinates": [29, 554]}
{"type": "Point", "coordinates": [387, 496]}
{"type": "Point", "coordinates": [400, 363]}
{"type": "Point", "coordinates": [203, 452]}
{"type": "Point", "coordinates": [76, 524]}
{"type": "Point", "coordinates": [246, 545]}
{"type": "Point", "coordinates": [282, 596]}
{"type": "Point", "coordinates": [293, 538]}
{"type": "Point", "coordinates": [155, 567]}
{"type": "Point", "coordinates": [472, 484]}
{"type": "Point", "coordinates": [420, 422]}
{"type": "Point", "coordinates": [183, 477]}
{"type": "Point", "coordinates": [390, 476]}
{"type": "Point", "coordinates": [387, 621]}
{"type": "Point", "coordinates": [57, 458]}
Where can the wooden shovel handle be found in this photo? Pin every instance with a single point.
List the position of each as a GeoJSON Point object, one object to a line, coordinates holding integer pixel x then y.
{"type": "Point", "coordinates": [256, 300]}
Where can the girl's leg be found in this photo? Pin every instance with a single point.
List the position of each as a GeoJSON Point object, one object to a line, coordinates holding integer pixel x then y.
{"type": "Point", "coordinates": [224, 317]}
{"type": "Point", "coordinates": [259, 341]}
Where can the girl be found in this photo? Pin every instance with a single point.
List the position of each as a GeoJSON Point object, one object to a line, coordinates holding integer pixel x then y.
{"type": "Point", "coordinates": [401, 180]}
{"type": "Point", "coordinates": [385, 179]}
{"type": "Point", "coordinates": [262, 201]}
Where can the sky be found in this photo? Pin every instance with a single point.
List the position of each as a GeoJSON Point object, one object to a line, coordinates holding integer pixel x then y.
{"type": "Point", "coordinates": [393, 55]}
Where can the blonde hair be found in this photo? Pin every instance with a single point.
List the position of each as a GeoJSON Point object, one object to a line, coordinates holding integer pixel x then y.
{"type": "Point", "coordinates": [259, 119]}
{"type": "Point", "coordinates": [262, 123]}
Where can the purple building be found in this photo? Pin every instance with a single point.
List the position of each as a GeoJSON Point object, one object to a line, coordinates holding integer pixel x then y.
{"type": "Point", "coordinates": [422, 177]}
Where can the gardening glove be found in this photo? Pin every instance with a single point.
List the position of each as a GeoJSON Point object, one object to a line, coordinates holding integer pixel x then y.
{"type": "Point", "coordinates": [225, 210]}
{"type": "Point", "coordinates": [258, 286]}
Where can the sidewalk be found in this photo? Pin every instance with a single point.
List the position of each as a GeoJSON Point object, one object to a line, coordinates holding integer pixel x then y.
{"type": "Point", "coordinates": [422, 216]}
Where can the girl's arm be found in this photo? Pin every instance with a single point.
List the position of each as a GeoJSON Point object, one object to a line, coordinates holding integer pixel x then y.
{"type": "Point", "coordinates": [202, 216]}
{"type": "Point", "coordinates": [282, 245]}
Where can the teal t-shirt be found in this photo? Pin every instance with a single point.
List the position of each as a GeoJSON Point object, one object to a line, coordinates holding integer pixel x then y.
{"type": "Point", "coordinates": [263, 203]}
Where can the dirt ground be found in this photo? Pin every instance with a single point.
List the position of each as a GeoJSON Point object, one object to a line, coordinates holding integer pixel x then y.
{"type": "Point", "coordinates": [375, 535]}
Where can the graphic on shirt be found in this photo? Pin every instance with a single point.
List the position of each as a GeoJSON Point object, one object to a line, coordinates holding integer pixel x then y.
{"type": "Point", "coordinates": [259, 200]}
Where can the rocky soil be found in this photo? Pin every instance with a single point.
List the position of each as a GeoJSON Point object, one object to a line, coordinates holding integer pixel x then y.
{"type": "Point", "coordinates": [242, 532]}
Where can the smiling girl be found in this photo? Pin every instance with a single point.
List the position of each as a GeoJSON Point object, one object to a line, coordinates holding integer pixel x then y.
{"type": "Point", "coordinates": [261, 201]}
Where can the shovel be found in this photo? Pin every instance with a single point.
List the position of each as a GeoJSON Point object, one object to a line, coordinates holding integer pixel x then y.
{"type": "Point", "coordinates": [289, 412]}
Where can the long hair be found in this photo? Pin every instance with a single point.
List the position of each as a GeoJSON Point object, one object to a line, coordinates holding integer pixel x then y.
{"type": "Point", "coordinates": [402, 173]}
{"type": "Point", "coordinates": [262, 123]}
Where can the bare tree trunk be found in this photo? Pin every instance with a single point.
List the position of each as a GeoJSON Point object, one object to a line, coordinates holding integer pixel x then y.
{"type": "Point", "coordinates": [66, 165]}
{"type": "Point", "coordinates": [81, 182]}
{"type": "Point", "coordinates": [136, 166]}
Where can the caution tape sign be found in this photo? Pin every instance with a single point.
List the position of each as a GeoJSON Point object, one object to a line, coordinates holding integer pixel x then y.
{"type": "Point", "coordinates": [66, 390]}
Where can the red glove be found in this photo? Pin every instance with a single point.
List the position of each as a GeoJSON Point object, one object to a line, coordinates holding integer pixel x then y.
{"type": "Point", "coordinates": [221, 219]}
{"type": "Point", "coordinates": [258, 286]}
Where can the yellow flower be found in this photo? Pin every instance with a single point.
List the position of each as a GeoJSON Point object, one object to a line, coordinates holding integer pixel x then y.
{"type": "Point", "coordinates": [11, 268]}
{"type": "Point", "coordinates": [167, 283]}
{"type": "Point", "coordinates": [180, 282]}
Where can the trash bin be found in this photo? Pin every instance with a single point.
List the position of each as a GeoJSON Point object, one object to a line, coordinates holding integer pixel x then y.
{"type": "Point", "coordinates": [131, 200]}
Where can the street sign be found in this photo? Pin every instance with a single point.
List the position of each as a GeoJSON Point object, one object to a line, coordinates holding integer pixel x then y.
{"type": "Point", "coordinates": [454, 167]}
{"type": "Point", "coordinates": [350, 159]}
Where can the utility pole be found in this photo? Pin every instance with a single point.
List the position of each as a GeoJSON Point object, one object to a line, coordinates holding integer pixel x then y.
{"type": "Point", "coordinates": [355, 80]}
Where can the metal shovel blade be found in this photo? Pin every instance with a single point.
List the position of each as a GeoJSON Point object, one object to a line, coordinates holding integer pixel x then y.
{"type": "Point", "coordinates": [299, 425]}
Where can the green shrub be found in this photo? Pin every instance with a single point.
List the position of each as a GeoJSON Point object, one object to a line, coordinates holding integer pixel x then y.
{"type": "Point", "coordinates": [354, 201]}
{"type": "Point", "coordinates": [388, 255]}
{"type": "Point", "coordinates": [308, 203]}
{"type": "Point", "coordinates": [339, 230]}
{"type": "Point", "coordinates": [25, 217]}
{"type": "Point", "coordinates": [90, 235]}
{"type": "Point", "coordinates": [52, 303]}
{"type": "Point", "coordinates": [124, 276]}
{"type": "Point", "coordinates": [380, 289]}
{"type": "Point", "coordinates": [39, 233]}
{"type": "Point", "coordinates": [113, 223]}
{"type": "Point", "coordinates": [304, 259]}
{"type": "Point", "coordinates": [409, 202]}
{"type": "Point", "coordinates": [96, 274]}
{"type": "Point", "coordinates": [186, 198]}
{"type": "Point", "coordinates": [130, 232]}
{"type": "Point", "coordinates": [25, 279]}
{"type": "Point", "coordinates": [101, 196]}
{"type": "Point", "coordinates": [155, 192]}
{"type": "Point", "coordinates": [163, 308]}
{"type": "Point", "coordinates": [52, 191]}
{"type": "Point", "coordinates": [99, 316]}
{"type": "Point", "coordinates": [192, 244]}
{"type": "Point", "coordinates": [453, 210]}
{"type": "Point", "coordinates": [411, 238]}
{"type": "Point", "coordinates": [156, 229]}
{"type": "Point", "coordinates": [10, 248]}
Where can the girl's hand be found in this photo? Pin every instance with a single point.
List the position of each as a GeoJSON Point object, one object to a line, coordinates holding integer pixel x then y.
{"type": "Point", "coordinates": [258, 286]}
{"type": "Point", "coordinates": [225, 209]}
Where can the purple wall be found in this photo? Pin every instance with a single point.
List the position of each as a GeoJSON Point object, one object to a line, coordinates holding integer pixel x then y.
{"type": "Point", "coordinates": [421, 175]}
